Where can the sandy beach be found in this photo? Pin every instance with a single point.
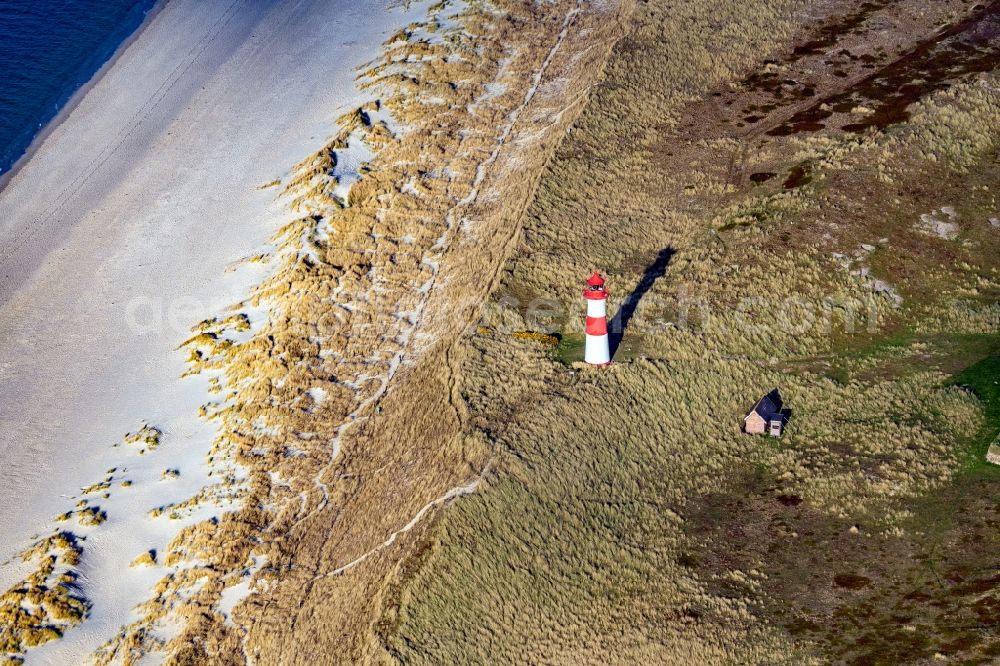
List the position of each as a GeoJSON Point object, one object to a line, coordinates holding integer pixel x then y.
{"type": "Point", "coordinates": [119, 233]}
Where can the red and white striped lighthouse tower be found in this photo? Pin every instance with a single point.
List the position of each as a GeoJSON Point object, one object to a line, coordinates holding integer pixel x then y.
{"type": "Point", "coordinates": [596, 350]}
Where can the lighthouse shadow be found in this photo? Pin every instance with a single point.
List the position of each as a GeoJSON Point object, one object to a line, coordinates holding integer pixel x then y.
{"type": "Point", "coordinates": [619, 323]}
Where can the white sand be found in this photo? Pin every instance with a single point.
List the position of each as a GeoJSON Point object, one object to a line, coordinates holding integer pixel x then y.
{"type": "Point", "coordinates": [115, 238]}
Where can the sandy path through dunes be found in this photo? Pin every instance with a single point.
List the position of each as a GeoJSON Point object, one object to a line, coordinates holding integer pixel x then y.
{"type": "Point", "coordinates": [115, 237]}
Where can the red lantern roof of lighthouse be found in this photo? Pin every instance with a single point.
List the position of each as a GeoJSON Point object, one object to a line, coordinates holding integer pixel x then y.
{"type": "Point", "coordinates": [595, 280]}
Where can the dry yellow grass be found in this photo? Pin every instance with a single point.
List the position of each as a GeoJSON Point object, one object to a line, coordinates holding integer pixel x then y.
{"type": "Point", "coordinates": [47, 602]}
{"type": "Point", "coordinates": [146, 438]}
{"type": "Point", "coordinates": [146, 559]}
{"type": "Point", "coordinates": [535, 336]}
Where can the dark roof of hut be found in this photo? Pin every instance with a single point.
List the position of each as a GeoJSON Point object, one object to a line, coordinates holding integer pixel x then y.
{"type": "Point", "coordinates": [768, 406]}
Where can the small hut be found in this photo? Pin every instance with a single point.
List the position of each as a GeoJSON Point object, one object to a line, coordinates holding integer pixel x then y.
{"type": "Point", "coordinates": [767, 416]}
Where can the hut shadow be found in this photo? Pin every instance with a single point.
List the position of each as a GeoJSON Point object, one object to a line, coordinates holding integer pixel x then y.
{"type": "Point", "coordinates": [653, 272]}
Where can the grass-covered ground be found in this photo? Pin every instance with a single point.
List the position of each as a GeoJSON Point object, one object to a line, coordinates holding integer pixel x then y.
{"type": "Point", "coordinates": [983, 378]}
{"type": "Point", "coordinates": [625, 516]}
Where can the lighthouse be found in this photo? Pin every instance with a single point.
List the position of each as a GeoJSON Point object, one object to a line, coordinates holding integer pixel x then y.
{"type": "Point", "coordinates": [596, 350]}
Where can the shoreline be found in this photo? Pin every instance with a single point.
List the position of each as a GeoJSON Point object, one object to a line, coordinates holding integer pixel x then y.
{"type": "Point", "coordinates": [74, 99]}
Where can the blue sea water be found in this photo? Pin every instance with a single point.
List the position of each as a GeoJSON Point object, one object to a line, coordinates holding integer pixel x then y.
{"type": "Point", "coordinates": [48, 50]}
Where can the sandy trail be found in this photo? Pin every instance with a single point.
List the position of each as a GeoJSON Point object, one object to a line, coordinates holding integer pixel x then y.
{"type": "Point", "coordinates": [115, 237]}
